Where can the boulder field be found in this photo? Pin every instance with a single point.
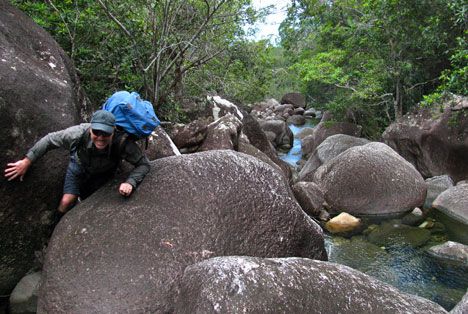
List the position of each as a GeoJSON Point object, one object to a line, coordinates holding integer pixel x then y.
{"type": "Point", "coordinates": [111, 254]}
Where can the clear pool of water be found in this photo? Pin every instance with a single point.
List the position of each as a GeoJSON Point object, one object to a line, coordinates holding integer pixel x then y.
{"type": "Point", "coordinates": [410, 269]}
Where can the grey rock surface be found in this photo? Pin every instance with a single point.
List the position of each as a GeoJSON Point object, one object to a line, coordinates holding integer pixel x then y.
{"type": "Point", "coordinates": [296, 99]}
{"type": "Point", "coordinates": [238, 284]}
{"type": "Point", "coordinates": [309, 196]}
{"type": "Point", "coordinates": [331, 147]}
{"type": "Point", "coordinates": [435, 143]}
{"type": "Point", "coordinates": [222, 134]}
{"type": "Point", "coordinates": [462, 306]}
{"type": "Point", "coordinates": [371, 179]}
{"type": "Point", "coordinates": [23, 299]}
{"type": "Point", "coordinates": [451, 251]}
{"type": "Point", "coordinates": [39, 93]}
{"type": "Point", "coordinates": [454, 203]}
{"type": "Point", "coordinates": [435, 186]}
{"type": "Point", "coordinates": [258, 138]}
{"type": "Point", "coordinates": [112, 254]}
{"type": "Point", "coordinates": [325, 129]}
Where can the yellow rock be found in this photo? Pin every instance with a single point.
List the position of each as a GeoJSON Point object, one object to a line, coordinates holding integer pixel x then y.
{"type": "Point", "coordinates": [342, 223]}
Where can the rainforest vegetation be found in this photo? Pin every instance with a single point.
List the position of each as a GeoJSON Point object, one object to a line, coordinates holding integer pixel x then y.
{"type": "Point", "coordinates": [370, 61]}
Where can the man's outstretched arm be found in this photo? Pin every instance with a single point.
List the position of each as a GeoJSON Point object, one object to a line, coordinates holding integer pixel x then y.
{"type": "Point", "coordinates": [17, 169]}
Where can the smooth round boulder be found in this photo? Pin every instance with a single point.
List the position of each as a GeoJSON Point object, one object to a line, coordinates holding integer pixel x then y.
{"type": "Point", "coordinates": [343, 223]}
{"type": "Point", "coordinates": [454, 202]}
{"type": "Point", "coordinates": [450, 251]}
{"type": "Point", "coordinates": [435, 186]}
{"type": "Point", "coordinates": [283, 135]}
{"type": "Point", "coordinates": [125, 255]}
{"type": "Point", "coordinates": [39, 93]}
{"type": "Point", "coordinates": [452, 208]}
{"type": "Point", "coordinates": [372, 180]}
{"type": "Point", "coordinates": [296, 99]}
{"type": "Point", "coordinates": [331, 147]}
{"type": "Point", "coordinates": [241, 284]}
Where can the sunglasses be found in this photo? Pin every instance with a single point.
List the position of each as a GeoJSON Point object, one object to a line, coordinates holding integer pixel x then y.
{"type": "Point", "coordinates": [101, 133]}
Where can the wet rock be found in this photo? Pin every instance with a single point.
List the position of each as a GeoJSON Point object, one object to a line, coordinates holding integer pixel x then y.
{"type": "Point", "coordinates": [296, 99]}
{"type": "Point", "coordinates": [414, 218]}
{"type": "Point", "coordinates": [435, 186]}
{"type": "Point", "coordinates": [356, 252]}
{"type": "Point", "coordinates": [328, 149]}
{"type": "Point", "coordinates": [39, 93]}
{"type": "Point", "coordinates": [343, 223]}
{"type": "Point", "coordinates": [305, 132]}
{"type": "Point", "coordinates": [454, 203]}
{"type": "Point", "coordinates": [371, 180]}
{"type": "Point", "coordinates": [451, 251]}
{"type": "Point", "coordinates": [309, 196]}
{"type": "Point", "coordinates": [23, 299]}
{"type": "Point", "coordinates": [296, 120]}
{"type": "Point", "coordinates": [462, 306]}
{"type": "Point", "coordinates": [299, 111]}
{"type": "Point", "coordinates": [283, 135]}
{"type": "Point", "coordinates": [289, 285]}
{"type": "Point", "coordinates": [393, 233]}
{"type": "Point", "coordinates": [434, 143]}
{"type": "Point", "coordinates": [113, 254]}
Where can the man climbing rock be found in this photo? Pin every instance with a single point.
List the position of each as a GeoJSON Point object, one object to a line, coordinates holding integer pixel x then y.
{"type": "Point", "coordinates": [96, 150]}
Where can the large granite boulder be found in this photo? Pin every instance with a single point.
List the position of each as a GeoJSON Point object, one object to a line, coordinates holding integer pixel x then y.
{"type": "Point", "coordinates": [450, 251]}
{"type": "Point", "coordinates": [189, 136]}
{"type": "Point", "coordinates": [309, 196]}
{"type": "Point", "coordinates": [113, 255]}
{"type": "Point", "coordinates": [435, 143]}
{"type": "Point", "coordinates": [238, 284]}
{"type": "Point", "coordinates": [435, 186]}
{"type": "Point", "coordinates": [39, 93]}
{"type": "Point", "coordinates": [257, 137]}
{"type": "Point", "coordinates": [159, 145]}
{"type": "Point", "coordinates": [371, 179]}
{"type": "Point", "coordinates": [328, 149]}
{"type": "Point", "coordinates": [284, 137]}
{"type": "Point", "coordinates": [23, 299]}
{"type": "Point", "coordinates": [295, 99]}
{"type": "Point", "coordinates": [453, 204]}
{"type": "Point", "coordinates": [222, 134]}
{"type": "Point", "coordinates": [325, 129]}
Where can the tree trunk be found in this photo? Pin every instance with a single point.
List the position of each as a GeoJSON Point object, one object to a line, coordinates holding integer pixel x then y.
{"type": "Point", "coordinates": [397, 103]}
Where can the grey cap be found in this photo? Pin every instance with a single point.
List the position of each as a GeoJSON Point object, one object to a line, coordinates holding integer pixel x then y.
{"type": "Point", "coordinates": [104, 121]}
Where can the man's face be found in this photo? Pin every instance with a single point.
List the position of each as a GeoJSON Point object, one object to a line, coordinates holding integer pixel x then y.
{"type": "Point", "coordinates": [101, 139]}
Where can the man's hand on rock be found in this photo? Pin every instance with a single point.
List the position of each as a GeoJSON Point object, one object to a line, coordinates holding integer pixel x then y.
{"type": "Point", "coordinates": [125, 189]}
{"type": "Point", "coordinates": [17, 169]}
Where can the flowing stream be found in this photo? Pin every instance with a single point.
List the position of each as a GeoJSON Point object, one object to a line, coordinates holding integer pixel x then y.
{"type": "Point", "coordinates": [397, 260]}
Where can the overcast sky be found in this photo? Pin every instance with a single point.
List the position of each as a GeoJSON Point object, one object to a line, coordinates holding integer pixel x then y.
{"type": "Point", "coordinates": [272, 22]}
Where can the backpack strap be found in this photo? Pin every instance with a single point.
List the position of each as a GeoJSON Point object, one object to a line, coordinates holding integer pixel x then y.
{"type": "Point", "coordinates": [122, 143]}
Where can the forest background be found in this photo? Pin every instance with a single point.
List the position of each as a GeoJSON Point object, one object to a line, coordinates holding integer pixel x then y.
{"type": "Point", "coordinates": [369, 61]}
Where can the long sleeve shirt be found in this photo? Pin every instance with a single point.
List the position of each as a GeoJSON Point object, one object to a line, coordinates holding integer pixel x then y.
{"type": "Point", "coordinates": [77, 140]}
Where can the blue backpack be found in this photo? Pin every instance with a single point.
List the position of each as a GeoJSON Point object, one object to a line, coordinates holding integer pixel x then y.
{"type": "Point", "coordinates": [132, 113]}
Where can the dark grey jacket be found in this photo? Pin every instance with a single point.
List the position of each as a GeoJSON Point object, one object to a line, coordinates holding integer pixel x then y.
{"type": "Point", "coordinates": [78, 141]}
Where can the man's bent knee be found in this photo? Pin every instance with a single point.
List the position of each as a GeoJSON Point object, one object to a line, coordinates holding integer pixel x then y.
{"type": "Point", "coordinates": [67, 202]}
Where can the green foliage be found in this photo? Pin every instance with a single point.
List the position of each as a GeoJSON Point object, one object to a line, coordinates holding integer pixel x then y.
{"type": "Point", "coordinates": [373, 60]}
